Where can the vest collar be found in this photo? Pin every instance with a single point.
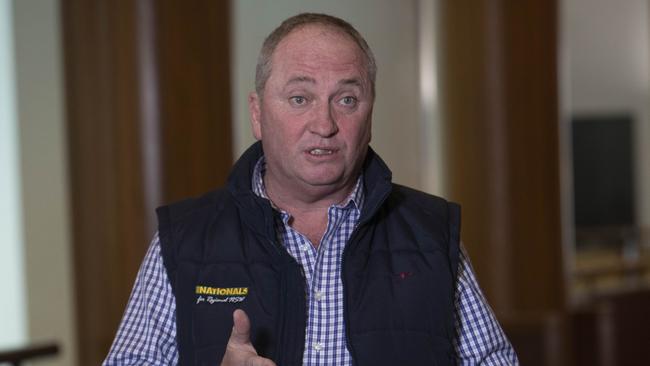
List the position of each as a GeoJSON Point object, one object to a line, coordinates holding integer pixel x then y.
{"type": "Point", "coordinates": [376, 181]}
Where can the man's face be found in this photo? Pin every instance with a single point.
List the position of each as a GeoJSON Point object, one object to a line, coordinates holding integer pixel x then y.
{"type": "Point", "coordinates": [315, 113]}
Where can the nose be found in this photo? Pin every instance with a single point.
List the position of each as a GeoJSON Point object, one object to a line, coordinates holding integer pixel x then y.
{"type": "Point", "coordinates": [323, 122]}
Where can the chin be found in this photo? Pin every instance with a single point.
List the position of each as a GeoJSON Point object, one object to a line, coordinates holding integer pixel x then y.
{"type": "Point", "coordinates": [322, 182]}
{"type": "Point", "coordinates": [324, 179]}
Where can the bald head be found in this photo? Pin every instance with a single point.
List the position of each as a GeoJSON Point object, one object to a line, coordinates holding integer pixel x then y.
{"type": "Point", "coordinates": [297, 22]}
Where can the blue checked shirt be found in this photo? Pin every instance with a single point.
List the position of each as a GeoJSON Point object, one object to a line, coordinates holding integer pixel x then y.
{"type": "Point", "coordinates": [147, 333]}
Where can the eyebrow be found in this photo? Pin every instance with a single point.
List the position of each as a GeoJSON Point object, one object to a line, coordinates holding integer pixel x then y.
{"type": "Point", "coordinates": [301, 79]}
{"type": "Point", "coordinates": [307, 79]}
{"type": "Point", "coordinates": [352, 81]}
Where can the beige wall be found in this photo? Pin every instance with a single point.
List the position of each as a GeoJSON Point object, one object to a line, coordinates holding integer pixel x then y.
{"type": "Point", "coordinates": [391, 28]}
{"type": "Point", "coordinates": [13, 313]}
{"type": "Point", "coordinates": [48, 262]}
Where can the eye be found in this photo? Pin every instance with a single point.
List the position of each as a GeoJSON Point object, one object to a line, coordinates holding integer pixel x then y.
{"type": "Point", "coordinates": [298, 100]}
{"type": "Point", "coordinates": [348, 101]}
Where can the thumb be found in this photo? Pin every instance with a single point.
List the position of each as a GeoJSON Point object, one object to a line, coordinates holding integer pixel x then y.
{"type": "Point", "coordinates": [241, 329]}
{"type": "Point", "coordinates": [240, 350]}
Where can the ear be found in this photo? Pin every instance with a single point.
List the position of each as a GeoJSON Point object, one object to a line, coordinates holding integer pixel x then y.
{"type": "Point", "coordinates": [370, 126]}
{"type": "Point", "coordinates": [254, 108]}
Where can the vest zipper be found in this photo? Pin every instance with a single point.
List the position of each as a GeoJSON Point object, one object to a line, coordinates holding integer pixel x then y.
{"type": "Point", "coordinates": [281, 317]}
{"type": "Point", "coordinates": [280, 327]}
{"type": "Point", "coordinates": [346, 304]}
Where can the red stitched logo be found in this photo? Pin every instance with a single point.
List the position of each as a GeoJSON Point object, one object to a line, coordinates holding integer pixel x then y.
{"type": "Point", "coordinates": [404, 275]}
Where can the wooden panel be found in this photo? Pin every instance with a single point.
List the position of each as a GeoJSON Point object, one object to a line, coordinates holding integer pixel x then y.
{"type": "Point", "coordinates": [499, 103]}
{"type": "Point", "coordinates": [471, 111]}
{"type": "Point", "coordinates": [532, 119]}
{"type": "Point", "coordinates": [613, 330]}
{"type": "Point", "coordinates": [108, 229]}
{"type": "Point", "coordinates": [539, 339]}
{"type": "Point", "coordinates": [109, 90]}
{"type": "Point", "coordinates": [194, 77]}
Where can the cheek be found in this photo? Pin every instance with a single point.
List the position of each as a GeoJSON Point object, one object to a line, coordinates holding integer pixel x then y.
{"type": "Point", "coordinates": [282, 134]}
{"type": "Point", "coordinates": [357, 133]}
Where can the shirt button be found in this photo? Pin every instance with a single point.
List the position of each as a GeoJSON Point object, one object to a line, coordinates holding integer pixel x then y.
{"type": "Point", "coordinates": [304, 247]}
{"type": "Point", "coordinates": [318, 296]}
{"type": "Point", "coordinates": [318, 346]}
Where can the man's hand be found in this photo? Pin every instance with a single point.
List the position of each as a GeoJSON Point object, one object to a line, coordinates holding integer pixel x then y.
{"type": "Point", "coordinates": [240, 350]}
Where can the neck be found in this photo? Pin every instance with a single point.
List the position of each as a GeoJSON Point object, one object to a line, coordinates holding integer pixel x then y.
{"type": "Point", "coordinates": [309, 210]}
{"type": "Point", "coordinates": [305, 200]}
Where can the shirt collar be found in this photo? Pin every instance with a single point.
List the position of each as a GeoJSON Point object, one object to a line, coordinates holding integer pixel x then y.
{"type": "Point", "coordinates": [355, 199]}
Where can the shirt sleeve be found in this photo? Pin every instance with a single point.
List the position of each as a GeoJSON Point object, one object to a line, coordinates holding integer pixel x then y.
{"type": "Point", "coordinates": [480, 341]}
{"type": "Point", "coordinates": [147, 333]}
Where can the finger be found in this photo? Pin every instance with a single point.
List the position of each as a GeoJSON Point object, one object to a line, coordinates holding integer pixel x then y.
{"type": "Point", "coordinates": [241, 327]}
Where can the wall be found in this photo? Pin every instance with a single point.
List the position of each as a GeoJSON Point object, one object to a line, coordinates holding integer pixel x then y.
{"type": "Point", "coordinates": [391, 30]}
{"type": "Point", "coordinates": [607, 64]}
{"type": "Point", "coordinates": [12, 308]}
{"type": "Point", "coordinates": [48, 265]}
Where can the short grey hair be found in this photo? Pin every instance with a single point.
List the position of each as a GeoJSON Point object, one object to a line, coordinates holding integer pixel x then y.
{"type": "Point", "coordinates": [263, 69]}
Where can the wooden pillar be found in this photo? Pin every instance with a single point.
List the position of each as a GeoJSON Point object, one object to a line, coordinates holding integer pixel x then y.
{"type": "Point", "coordinates": [105, 165]}
{"type": "Point", "coordinates": [499, 100]}
{"type": "Point", "coordinates": [499, 103]}
{"type": "Point", "coordinates": [148, 112]}
{"type": "Point", "coordinates": [194, 70]}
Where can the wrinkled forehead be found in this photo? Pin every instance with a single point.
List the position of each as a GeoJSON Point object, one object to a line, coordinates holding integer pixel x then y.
{"type": "Point", "coordinates": [316, 47]}
{"type": "Point", "coordinates": [308, 32]}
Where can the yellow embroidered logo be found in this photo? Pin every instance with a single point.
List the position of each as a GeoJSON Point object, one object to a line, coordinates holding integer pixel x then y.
{"type": "Point", "coordinates": [213, 295]}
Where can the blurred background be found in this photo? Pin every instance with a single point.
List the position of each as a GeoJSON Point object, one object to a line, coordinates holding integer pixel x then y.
{"type": "Point", "coordinates": [532, 114]}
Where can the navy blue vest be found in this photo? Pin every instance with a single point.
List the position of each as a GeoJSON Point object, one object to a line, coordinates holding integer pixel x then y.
{"type": "Point", "coordinates": [399, 268]}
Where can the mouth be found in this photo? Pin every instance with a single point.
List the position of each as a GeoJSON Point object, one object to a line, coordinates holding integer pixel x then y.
{"type": "Point", "coordinates": [321, 152]}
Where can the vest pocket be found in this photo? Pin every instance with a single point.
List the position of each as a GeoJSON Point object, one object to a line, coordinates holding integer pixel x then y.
{"type": "Point", "coordinates": [404, 306]}
{"type": "Point", "coordinates": [401, 291]}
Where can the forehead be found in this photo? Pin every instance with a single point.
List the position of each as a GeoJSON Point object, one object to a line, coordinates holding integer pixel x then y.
{"type": "Point", "coordinates": [316, 48]}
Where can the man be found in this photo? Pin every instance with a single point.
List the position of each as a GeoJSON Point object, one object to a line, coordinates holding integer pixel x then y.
{"type": "Point", "coordinates": [310, 255]}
